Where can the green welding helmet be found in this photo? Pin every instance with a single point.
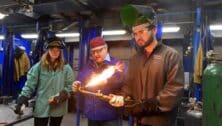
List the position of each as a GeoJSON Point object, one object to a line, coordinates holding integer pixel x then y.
{"type": "Point", "coordinates": [130, 14]}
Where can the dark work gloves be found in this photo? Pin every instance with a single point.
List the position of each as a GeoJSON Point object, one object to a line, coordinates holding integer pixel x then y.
{"type": "Point", "coordinates": [142, 108]}
{"type": "Point", "coordinates": [57, 99]}
{"type": "Point", "coordinates": [21, 100]}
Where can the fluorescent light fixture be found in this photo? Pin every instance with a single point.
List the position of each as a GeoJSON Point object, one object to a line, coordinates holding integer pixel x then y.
{"type": "Point", "coordinates": [2, 15]}
{"type": "Point", "coordinates": [2, 37]}
{"type": "Point", "coordinates": [114, 32]}
{"type": "Point", "coordinates": [170, 29]}
{"type": "Point", "coordinates": [67, 35]}
{"type": "Point", "coordinates": [216, 27]}
{"type": "Point", "coordinates": [216, 34]}
{"type": "Point", "coordinates": [30, 36]}
{"type": "Point", "coordinates": [75, 34]}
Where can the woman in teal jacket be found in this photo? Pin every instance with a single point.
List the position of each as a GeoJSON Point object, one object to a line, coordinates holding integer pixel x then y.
{"type": "Point", "coordinates": [51, 79]}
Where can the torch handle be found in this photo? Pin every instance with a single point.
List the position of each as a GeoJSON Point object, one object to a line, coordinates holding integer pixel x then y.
{"type": "Point", "coordinates": [104, 97]}
{"type": "Point", "coordinates": [97, 94]}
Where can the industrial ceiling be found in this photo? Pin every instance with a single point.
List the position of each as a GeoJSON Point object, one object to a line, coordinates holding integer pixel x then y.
{"type": "Point", "coordinates": [64, 15]}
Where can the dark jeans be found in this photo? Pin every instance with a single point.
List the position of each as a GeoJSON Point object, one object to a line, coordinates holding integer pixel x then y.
{"type": "Point", "coordinates": [53, 121]}
{"type": "Point", "coordinates": [117, 122]}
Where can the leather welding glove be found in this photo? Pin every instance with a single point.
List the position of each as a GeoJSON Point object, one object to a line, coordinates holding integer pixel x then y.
{"type": "Point", "coordinates": [20, 101]}
{"type": "Point", "coordinates": [142, 108]}
{"type": "Point", "coordinates": [75, 86]}
{"type": "Point", "coordinates": [59, 98]}
{"type": "Point", "coordinates": [116, 100]}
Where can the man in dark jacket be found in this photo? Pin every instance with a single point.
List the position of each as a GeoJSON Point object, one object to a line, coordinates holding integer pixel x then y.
{"type": "Point", "coordinates": [99, 112]}
{"type": "Point", "coordinates": [154, 79]}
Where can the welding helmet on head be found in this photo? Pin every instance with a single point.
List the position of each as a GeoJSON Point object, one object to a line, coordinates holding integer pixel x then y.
{"type": "Point", "coordinates": [132, 14]}
{"type": "Point", "coordinates": [55, 42]}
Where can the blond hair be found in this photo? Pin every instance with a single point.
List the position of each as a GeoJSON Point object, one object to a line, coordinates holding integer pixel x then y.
{"type": "Point", "coordinates": [47, 64]}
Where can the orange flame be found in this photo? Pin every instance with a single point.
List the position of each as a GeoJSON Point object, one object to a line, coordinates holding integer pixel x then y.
{"type": "Point", "coordinates": [101, 78]}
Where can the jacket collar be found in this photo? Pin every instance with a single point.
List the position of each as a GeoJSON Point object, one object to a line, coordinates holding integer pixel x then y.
{"type": "Point", "coordinates": [108, 58]}
{"type": "Point", "coordinates": [106, 61]}
{"type": "Point", "coordinates": [157, 47]}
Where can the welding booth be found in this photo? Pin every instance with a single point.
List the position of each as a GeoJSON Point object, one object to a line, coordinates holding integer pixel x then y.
{"type": "Point", "coordinates": [16, 51]}
{"type": "Point", "coordinates": [15, 61]}
{"type": "Point", "coordinates": [201, 103]}
{"type": "Point", "coordinates": [17, 55]}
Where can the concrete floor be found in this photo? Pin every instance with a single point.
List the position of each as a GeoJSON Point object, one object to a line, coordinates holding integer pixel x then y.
{"type": "Point", "coordinates": [7, 115]}
{"type": "Point", "coordinates": [68, 120]}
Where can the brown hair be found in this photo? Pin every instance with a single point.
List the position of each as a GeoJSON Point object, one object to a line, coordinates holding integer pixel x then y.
{"type": "Point", "coordinates": [47, 64]}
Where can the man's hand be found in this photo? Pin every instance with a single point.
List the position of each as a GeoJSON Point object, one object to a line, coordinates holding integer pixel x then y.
{"type": "Point", "coordinates": [116, 100]}
{"type": "Point", "coordinates": [119, 66]}
{"type": "Point", "coordinates": [142, 108]}
{"type": "Point", "coordinates": [151, 105]}
{"type": "Point", "coordinates": [75, 86]}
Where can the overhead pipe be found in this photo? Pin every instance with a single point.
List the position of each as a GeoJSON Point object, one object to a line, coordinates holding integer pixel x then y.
{"type": "Point", "coordinates": [69, 26]}
{"type": "Point", "coordinates": [178, 23]}
{"type": "Point", "coordinates": [177, 13]}
{"type": "Point", "coordinates": [212, 3]}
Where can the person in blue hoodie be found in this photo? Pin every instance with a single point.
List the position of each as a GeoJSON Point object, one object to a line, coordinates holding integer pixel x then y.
{"type": "Point", "coordinates": [98, 111]}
